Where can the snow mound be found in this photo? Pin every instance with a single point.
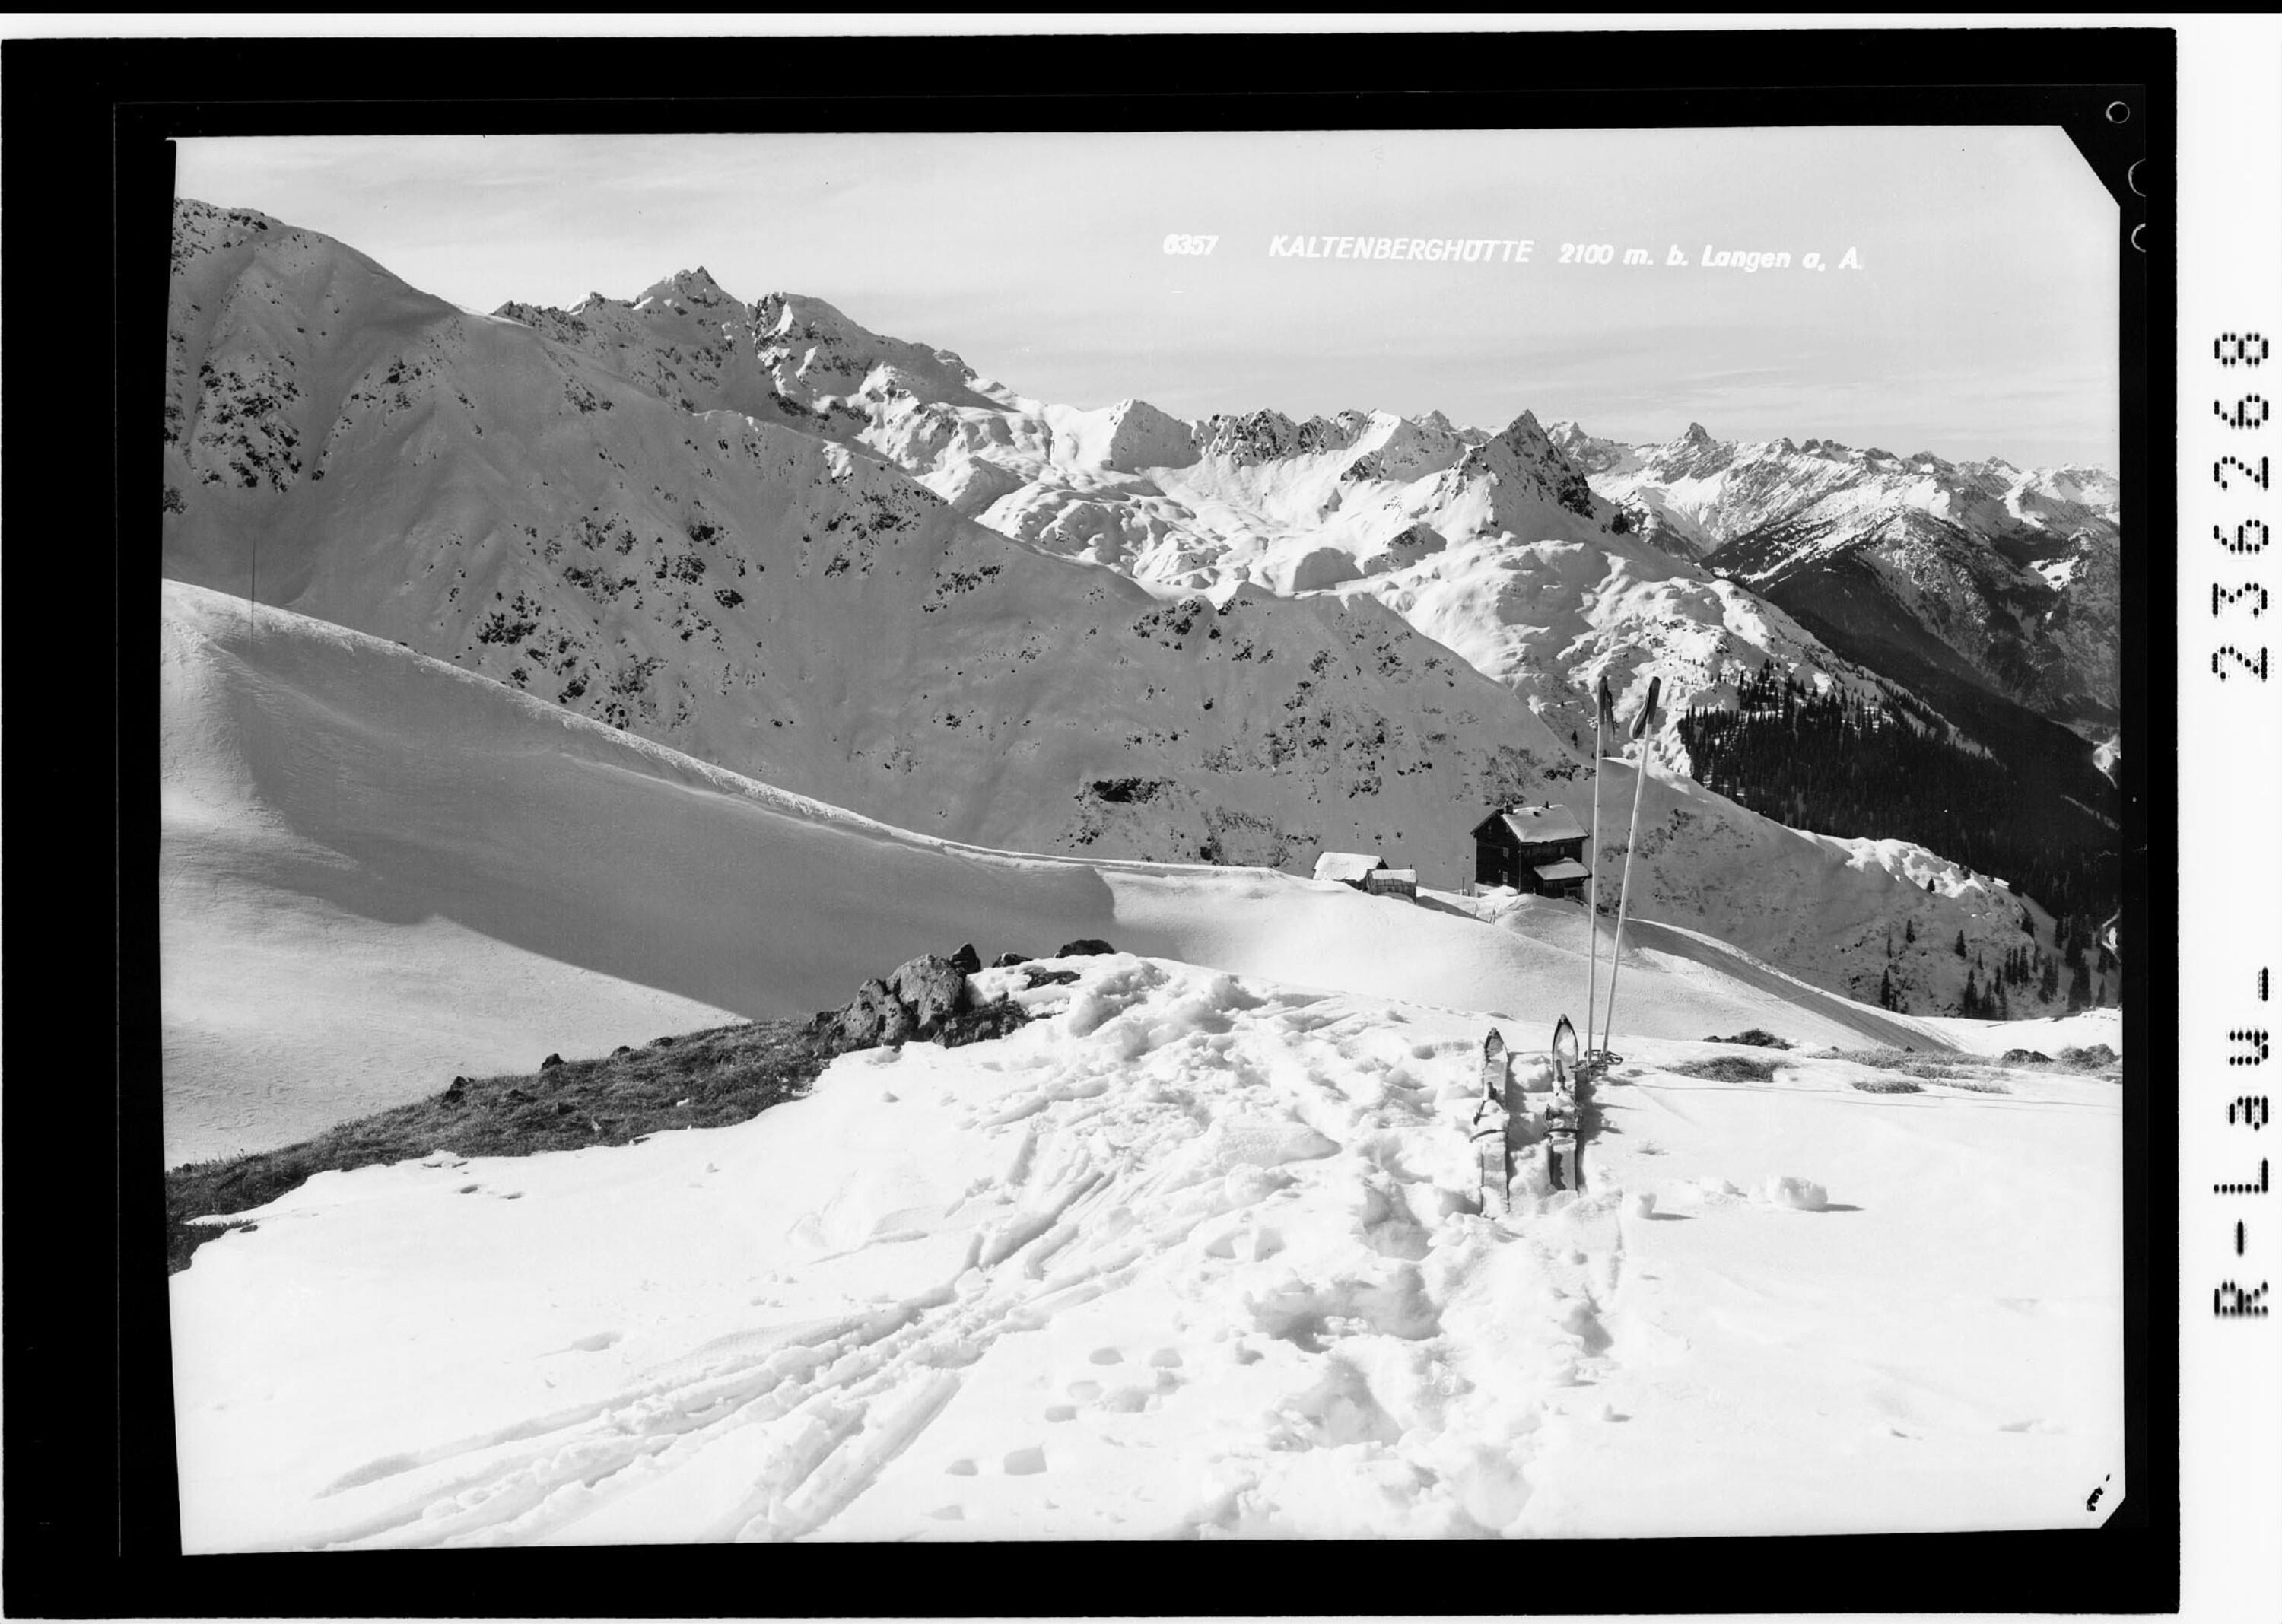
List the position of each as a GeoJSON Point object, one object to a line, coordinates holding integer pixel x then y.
{"type": "Point", "coordinates": [1804, 1194]}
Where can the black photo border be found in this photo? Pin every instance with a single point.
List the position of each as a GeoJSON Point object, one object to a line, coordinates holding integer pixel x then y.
{"type": "Point", "coordinates": [86, 171]}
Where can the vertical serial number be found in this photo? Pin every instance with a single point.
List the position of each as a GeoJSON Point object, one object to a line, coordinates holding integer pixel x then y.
{"type": "Point", "coordinates": [2252, 485]}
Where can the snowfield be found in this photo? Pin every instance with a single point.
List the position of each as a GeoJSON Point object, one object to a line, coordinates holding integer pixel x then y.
{"type": "Point", "coordinates": [1192, 1254]}
{"type": "Point", "coordinates": [378, 872]}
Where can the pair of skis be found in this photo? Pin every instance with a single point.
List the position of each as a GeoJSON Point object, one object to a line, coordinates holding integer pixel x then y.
{"type": "Point", "coordinates": [1494, 1117]}
{"type": "Point", "coordinates": [1604, 721]}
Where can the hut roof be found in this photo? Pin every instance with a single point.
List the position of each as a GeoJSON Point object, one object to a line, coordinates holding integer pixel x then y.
{"type": "Point", "coordinates": [1531, 824]}
{"type": "Point", "coordinates": [1347, 866]}
{"type": "Point", "coordinates": [1555, 874]}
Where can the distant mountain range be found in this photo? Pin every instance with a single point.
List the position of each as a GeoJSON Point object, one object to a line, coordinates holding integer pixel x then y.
{"type": "Point", "coordinates": [853, 567]}
{"type": "Point", "coordinates": [1991, 575]}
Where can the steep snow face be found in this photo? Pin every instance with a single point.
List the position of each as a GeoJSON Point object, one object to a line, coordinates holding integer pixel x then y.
{"type": "Point", "coordinates": [788, 605]}
{"type": "Point", "coordinates": [1190, 1254]}
{"type": "Point", "coordinates": [378, 870]}
{"type": "Point", "coordinates": [2010, 573]}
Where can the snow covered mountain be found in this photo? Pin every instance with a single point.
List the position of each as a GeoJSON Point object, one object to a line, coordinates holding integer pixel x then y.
{"type": "Point", "coordinates": [782, 603]}
{"type": "Point", "coordinates": [1493, 545]}
{"type": "Point", "coordinates": [1998, 575]}
{"type": "Point", "coordinates": [738, 530]}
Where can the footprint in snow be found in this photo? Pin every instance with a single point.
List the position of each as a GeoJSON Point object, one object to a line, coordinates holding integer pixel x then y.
{"type": "Point", "coordinates": [1061, 1412]}
{"type": "Point", "coordinates": [1025, 1463]}
{"type": "Point", "coordinates": [1107, 1355]}
{"type": "Point", "coordinates": [1084, 1392]}
{"type": "Point", "coordinates": [960, 1468]}
{"type": "Point", "coordinates": [596, 1342]}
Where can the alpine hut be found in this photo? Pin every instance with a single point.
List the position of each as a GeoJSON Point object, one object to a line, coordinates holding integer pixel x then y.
{"type": "Point", "coordinates": [1349, 867]}
{"type": "Point", "coordinates": [1393, 882]}
{"type": "Point", "coordinates": [1538, 848]}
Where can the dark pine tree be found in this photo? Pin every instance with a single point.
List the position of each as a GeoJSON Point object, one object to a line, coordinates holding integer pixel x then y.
{"type": "Point", "coordinates": [1831, 763]}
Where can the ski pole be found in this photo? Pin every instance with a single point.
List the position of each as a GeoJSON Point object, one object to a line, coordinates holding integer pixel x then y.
{"type": "Point", "coordinates": [1625, 888]}
{"type": "Point", "coordinates": [1602, 717]}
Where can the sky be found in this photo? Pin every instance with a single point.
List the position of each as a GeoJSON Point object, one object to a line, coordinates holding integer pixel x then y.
{"type": "Point", "coordinates": [1978, 319]}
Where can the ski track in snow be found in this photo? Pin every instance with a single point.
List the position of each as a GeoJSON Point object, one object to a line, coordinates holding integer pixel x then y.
{"type": "Point", "coordinates": [1188, 1256]}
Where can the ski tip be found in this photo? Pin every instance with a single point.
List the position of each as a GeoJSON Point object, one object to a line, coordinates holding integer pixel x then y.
{"type": "Point", "coordinates": [1647, 717]}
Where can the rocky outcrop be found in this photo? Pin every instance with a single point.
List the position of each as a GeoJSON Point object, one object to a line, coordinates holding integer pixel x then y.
{"type": "Point", "coordinates": [926, 1000]}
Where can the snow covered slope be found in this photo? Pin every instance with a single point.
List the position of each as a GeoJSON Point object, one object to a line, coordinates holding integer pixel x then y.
{"type": "Point", "coordinates": [377, 871]}
{"type": "Point", "coordinates": [2005, 574]}
{"type": "Point", "coordinates": [1190, 1254]}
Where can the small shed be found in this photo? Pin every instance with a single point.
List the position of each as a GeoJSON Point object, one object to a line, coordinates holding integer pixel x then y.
{"type": "Point", "coordinates": [1350, 867]}
{"type": "Point", "coordinates": [1393, 882]}
{"type": "Point", "coordinates": [1538, 848]}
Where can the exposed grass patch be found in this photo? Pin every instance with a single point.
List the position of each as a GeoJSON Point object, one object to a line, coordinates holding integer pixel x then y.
{"type": "Point", "coordinates": [708, 1079]}
{"type": "Point", "coordinates": [1756, 1038]}
{"type": "Point", "coordinates": [1888, 1085]}
{"type": "Point", "coordinates": [1907, 1062]}
{"type": "Point", "coordinates": [1729, 1069]}
{"type": "Point", "coordinates": [1976, 1086]}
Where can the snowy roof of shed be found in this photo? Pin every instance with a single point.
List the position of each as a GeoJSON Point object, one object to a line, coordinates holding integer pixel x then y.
{"type": "Point", "coordinates": [1349, 867]}
{"type": "Point", "coordinates": [1531, 824]}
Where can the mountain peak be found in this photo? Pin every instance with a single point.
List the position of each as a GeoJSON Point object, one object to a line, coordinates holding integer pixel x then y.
{"type": "Point", "coordinates": [1524, 449]}
{"type": "Point", "coordinates": [781, 314]}
{"type": "Point", "coordinates": [688, 287]}
{"type": "Point", "coordinates": [1696, 435]}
